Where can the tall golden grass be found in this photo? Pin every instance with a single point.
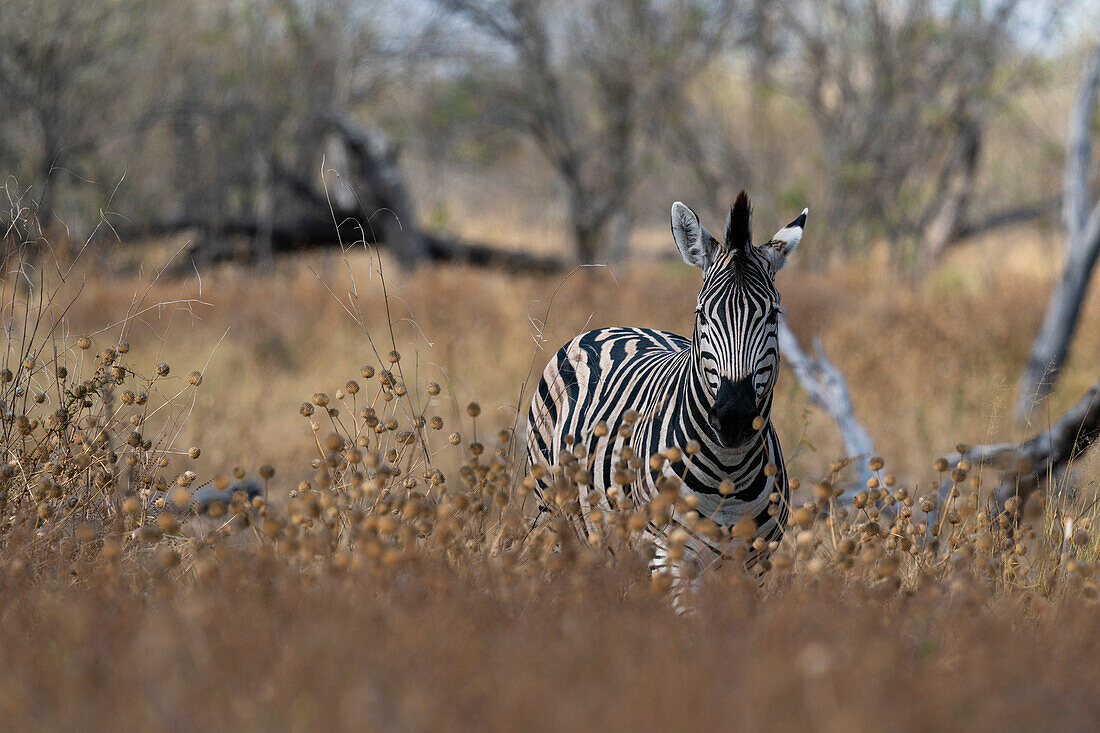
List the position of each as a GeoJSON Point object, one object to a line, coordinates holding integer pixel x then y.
{"type": "Point", "coordinates": [388, 576]}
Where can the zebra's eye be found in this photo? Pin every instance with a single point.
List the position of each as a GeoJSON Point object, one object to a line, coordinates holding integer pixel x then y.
{"type": "Point", "coordinates": [702, 315]}
{"type": "Point", "coordinates": [773, 317]}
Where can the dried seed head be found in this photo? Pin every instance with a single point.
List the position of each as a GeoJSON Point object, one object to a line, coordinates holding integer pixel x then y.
{"type": "Point", "coordinates": [473, 409]}
{"type": "Point", "coordinates": [433, 389]}
{"type": "Point", "coordinates": [320, 399]}
{"type": "Point", "coordinates": [436, 423]}
{"type": "Point", "coordinates": [758, 423]}
{"type": "Point", "coordinates": [366, 371]}
{"type": "Point", "coordinates": [940, 465]}
{"type": "Point", "coordinates": [194, 379]}
{"type": "Point", "coordinates": [306, 409]}
{"type": "Point", "coordinates": [876, 463]}
{"type": "Point", "coordinates": [267, 472]}
{"type": "Point", "coordinates": [803, 517]}
{"type": "Point", "coordinates": [168, 523]}
{"type": "Point", "coordinates": [455, 438]}
{"type": "Point", "coordinates": [394, 357]}
{"type": "Point", "coordinates": [84, 343]}
{"type": "Point", "coordinates": [352, 387]}
{"type": "Point", "coordinates": [163, 369]}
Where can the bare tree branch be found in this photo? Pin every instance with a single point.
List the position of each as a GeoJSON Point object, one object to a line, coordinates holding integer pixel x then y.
{"type": "Point", "coordinates": [1026, 465]}
{"type": "Point", "coordinates": [828, 389]}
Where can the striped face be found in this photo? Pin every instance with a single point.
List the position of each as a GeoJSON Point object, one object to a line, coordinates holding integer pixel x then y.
{"type": "Point", "coordinates": [737, 316]}
{"type": "Point", "coordinates": [737, 324]}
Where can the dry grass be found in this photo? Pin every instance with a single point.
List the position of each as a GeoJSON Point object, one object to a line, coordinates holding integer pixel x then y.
{"type": "Point", "coordinates": [389, 578]}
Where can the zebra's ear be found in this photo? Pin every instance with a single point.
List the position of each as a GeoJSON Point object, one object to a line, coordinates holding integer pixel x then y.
{"type": "Point", "coordinates": [783, 243]}
{"type": "Point", "coordinates": [692, 239]}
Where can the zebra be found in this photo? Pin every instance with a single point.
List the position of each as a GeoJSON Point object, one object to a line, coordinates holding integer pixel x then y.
{"type": "Point", "coordinates": [612, 398]}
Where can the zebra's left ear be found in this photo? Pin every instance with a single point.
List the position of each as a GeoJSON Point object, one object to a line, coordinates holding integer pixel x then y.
{"type": "Point", "coordinates": [783, 243]}
{"type": "Point", "coordinates": [692, 238]}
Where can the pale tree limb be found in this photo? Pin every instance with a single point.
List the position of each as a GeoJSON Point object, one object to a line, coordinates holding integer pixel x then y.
{"type": "Point", "coordinates": [1075, 205]}
{"type": "Point", "coordinates": [828, 389]}
{"type": "Point", "coordinates": [1024, 466]}
{"type": "Point", "coordinates": [1051, 345]}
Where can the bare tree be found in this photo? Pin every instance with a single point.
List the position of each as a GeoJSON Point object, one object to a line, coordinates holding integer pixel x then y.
{"type": "Point", "coordinates": [900, 93]}
{"type": "Point", "coordinates": [58, 61]}
{"type": "Point", "coordinates": [588, 81]}
{"type": "Point", "coordinates": [1052, 343]}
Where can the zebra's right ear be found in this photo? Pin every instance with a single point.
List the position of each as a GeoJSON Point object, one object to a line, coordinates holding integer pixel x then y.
{"type": "Point", "coordinates": [692, 239]}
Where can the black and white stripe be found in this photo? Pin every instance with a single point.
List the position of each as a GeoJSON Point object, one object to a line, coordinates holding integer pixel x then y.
{"type": "Point", "coordinates": [682, 390]}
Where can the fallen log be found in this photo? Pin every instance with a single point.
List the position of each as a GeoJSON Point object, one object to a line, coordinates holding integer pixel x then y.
{"type": "Point", "coordinates": [314, 232]}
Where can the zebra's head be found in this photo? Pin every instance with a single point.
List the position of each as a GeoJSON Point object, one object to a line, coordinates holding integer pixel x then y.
{"type": "Point", "coordinates": [736, 336]}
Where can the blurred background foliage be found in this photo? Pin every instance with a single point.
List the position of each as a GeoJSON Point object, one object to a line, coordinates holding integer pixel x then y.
{"type": "Point", "coordinates": [560, 127]}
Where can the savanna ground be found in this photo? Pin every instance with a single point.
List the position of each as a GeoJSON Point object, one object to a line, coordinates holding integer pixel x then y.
{"type": "Point", "coordinates": [373, 603]}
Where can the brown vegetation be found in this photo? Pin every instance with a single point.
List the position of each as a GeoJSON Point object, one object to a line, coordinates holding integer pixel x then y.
{"type": "Point", "coordinates": [389, 577]}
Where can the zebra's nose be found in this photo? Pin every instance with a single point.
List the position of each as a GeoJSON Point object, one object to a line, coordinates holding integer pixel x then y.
{"type": "Point", "coordinates": [734, 410]}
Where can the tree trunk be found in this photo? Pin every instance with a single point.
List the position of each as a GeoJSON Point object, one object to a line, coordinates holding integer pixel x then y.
{"type": "Point", "coordinates": [1075, 205]}
{"type": "Point", "coordinates": [947, 222]}
{"type": "Point", "coordinates": [589, 235]}
{"type": "Point", "coordinates": [1052, 343]}
{"type": "Point", "coordinates": [387, 208]}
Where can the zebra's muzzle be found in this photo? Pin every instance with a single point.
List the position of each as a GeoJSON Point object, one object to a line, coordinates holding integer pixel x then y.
{"type": "Point", "coordinates": [733, 412]}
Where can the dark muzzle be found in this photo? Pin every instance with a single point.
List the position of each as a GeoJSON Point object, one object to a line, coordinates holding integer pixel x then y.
{"type": "Point", "coordinates": [734, 411]}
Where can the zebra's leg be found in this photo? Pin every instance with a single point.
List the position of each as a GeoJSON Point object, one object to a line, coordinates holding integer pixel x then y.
{"type": "Point", "coordinates": [681, 577]}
